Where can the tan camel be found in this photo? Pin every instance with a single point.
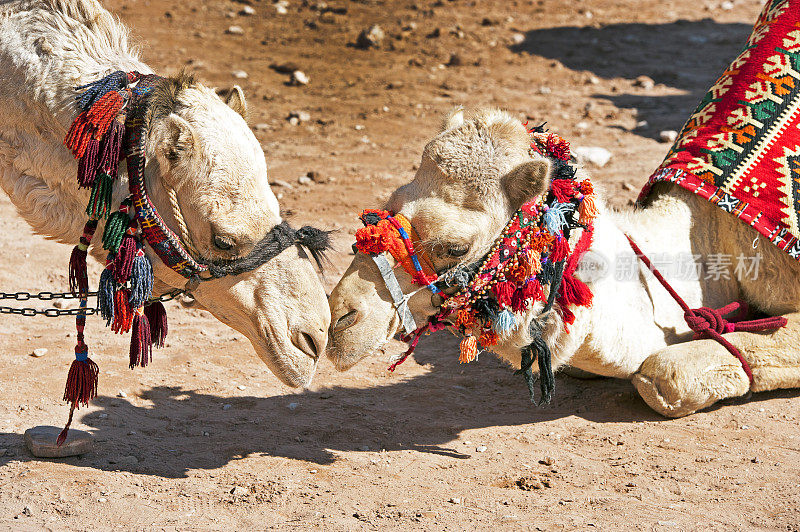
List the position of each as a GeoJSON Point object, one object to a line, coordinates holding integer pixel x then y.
{"type": "Point", "coordinates": [468, 185]}
{"type": "Point", "coordinates": [202, 149]}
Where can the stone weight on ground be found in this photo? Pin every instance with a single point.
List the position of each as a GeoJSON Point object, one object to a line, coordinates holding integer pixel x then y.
{"type": "Point", "coordinates": [41, 442]}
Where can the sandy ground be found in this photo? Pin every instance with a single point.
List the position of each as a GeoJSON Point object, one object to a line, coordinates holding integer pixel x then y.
{"type": "Point", "coordinates": [206, 437]}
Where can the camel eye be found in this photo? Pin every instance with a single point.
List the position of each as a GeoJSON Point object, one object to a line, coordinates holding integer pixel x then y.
{"type": "Point", "coordinates": [223, 243]}
{"type": "Point", "coordinates": [457, 251]}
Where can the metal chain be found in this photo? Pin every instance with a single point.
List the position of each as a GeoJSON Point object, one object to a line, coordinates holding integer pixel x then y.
{"type": "Point", "coordinates": [58, 312]}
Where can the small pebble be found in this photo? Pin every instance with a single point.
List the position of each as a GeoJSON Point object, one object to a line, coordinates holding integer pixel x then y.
{"type": "Point", "coordinates": [122, 394]}
{"type": "Point", "coordinates": [668, 135]}
{"type": "Point", "coordinates": [305, 180]}
{"type": "Point", "coordinates": [242, 387]}
{"type": "Point", "coordinates": [293, 406]}
{"type": "Point", "coordinates": [102, 415]}
{"type": "Point", "coordinates": [726, 6]}
{"type": "Point", "coordinates": [547, 460]}
{"type": "Point", "coordinates": [227, 406]}
{"type": "Point", "coordinates": [281, 9]}
{"type": "Point", "coordinates": [235, 30]}
{"type": "Point", "coordinates": [370, 38]}
{"type": "Point", "coordinates": [518, 38]}
{"type": "Point", "coordinates": [455, 500]}
{"type": "Point", "coordinates": [644, 82]}
{"type": "Point", "coordinates": [239, 74]}
{"type": "Point", "coordinates": [299, 78]}
{"type": "Point", "coordinates": [247, 11]}
{"type": "Point", "coordinates": [102, 499]}
{"type": "Point", "coordinates": [364, 448]}
{"type": "Point", "coordinates": [628, 187]}
{"type": "Point", "coordinates": [480, 449]}
{"type": "Point", "coordinates": [39, 352]}
{"type": "Point", "coordinates": [239, 491]}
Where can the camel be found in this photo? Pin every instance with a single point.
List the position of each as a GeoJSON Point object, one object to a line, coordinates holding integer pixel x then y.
{"type": "Point", "coordinates": [472, 178]}
{"type": "Point", "coordinates": [199, 146]}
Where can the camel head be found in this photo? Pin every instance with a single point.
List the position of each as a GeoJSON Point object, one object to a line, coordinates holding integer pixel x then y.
{"type": "Point", "coordinates": [473, 176]}
{"type": "Point", "coordinates": [201, 147]}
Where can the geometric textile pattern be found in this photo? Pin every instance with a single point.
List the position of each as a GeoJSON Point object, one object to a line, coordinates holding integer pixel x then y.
{"type": "Point", "coordinates": [740, 149]}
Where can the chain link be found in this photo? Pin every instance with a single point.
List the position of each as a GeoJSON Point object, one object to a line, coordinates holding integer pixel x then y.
{"type": "Point", "coordinates": [58, 312]}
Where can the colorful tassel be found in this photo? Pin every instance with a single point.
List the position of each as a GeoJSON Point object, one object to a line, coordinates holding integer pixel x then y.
{"type": "Point", "coordinates": [141, 280]}
{"type": "Point", "coordinates": [105, 295]}
{"type": "Point", "coordinates": [123, 314]}
{"type": "Point", "coordinates": [91, 92]}
{"type": "Point", "coordinates": [114, 231]}
{"type": "Point", "coordinates": [104, 111]}
{"type": "Point", "coordinates": [588, 210]}
{"type": "Point", "coordinates": [157, 318]}
{"type": "Point", "coordinates": [503, 291]}
{"type": "Point", "coordinates": [488, 338]}
{"type": "Point", "coordinates": [469, 349]}
{"type": "Point", "coordinates": [88, 164]}
{"type": "Point", "coordinates": [110, 149]}
{"type": "Point", "coordinates": [78, 135]}
{"type": "Point", "coordinates": [555, 216]}
{"type": "Point", "coordinates": [124, 259]}
{"type": "Point", "coordinates": [78, 278]}
{"type": "Point", "coordinates": [560, 249]}
{"type": "Point", "coordinates": [100, 199]}
{"type": "Point", "coordinates": [141, 351]}
{"type": "Point", "coordinates": [506, 322]}
{"type": "Point", "coordinates": [574, 292]}
{"type": "Point", "coordinates": [563, 189]}
{"type": "Point", "coordinates": [81, 387]}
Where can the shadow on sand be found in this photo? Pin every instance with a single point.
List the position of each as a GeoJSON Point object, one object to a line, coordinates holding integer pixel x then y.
{"type": "Point", "coordinates": [423, 413]}
{"type": "Point", "coordinates": [684, 55]}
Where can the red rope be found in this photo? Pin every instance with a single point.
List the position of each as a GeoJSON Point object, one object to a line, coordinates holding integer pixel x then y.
{"type": "Point", "coordinates": [711, 323]}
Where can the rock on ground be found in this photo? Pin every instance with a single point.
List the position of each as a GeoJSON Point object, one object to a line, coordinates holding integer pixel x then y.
{"type": "Point", "coordinates": [594, 155]}
{"type": "Point", "coordinates": [41, 442]}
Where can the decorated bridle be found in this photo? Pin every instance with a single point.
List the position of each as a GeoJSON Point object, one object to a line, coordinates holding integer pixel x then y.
{"type": "Point", "coordinates": [116, 113]}
{"type": "Point", "coordinates": [487, 297]}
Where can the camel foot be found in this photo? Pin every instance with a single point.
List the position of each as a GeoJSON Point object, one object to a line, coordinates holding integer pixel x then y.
{"type": "Point", "coordinates": [684, 378]}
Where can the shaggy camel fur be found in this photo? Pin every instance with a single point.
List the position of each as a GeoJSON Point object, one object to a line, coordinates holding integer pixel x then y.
{"type": "Point", "coordinates": [464, 192]}
{"type": "Point", "coordinates": [202, 148]}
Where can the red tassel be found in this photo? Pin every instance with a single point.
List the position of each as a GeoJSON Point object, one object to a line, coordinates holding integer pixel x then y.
{"type": "Point", "coordinates": [81, 386]}
{"type": "Point", "coordinates": [533, 290]}
{"type": "Point", "coordinates": [575, 292]}
{"type": "Point", "coordinates": [123, 260]}
{"type": "Point", "coordinates": [110, 148]}
{"type": "Point", "coordinates": [560, 249]}
{"type": "Point", "coordinates": [503, 292]}
{"type": "Point", "coordinates": [141, 352]}
{"type": "Point", "coordinates": [105, 110]}
{"type": "Point", "coordinates": [88, 164]}
{"type": "Point", "coordinates": [563, 189]}
{"type": "Point", "coordinates": [123, 314]}
{"type": "Point", "coordinates": [157, 318]}
{"type": "Point", "coordinates": [78, 135]}
{"type": "Point", "coordinates": [567, 316]}
{"type": "Point", "coordinates": [78, 278]}
{"type": "Point", "coordinates": [518, 301]}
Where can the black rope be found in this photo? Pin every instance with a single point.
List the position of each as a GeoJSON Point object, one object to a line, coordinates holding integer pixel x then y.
{"type": "Point", "coordinates": [280, 237]}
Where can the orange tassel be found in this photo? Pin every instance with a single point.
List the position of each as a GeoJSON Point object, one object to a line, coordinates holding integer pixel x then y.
{"type": "Point", "coordinates": [588, 209]}
{"type": "Point", "coordinates": [469, 349]}
{"type": "Point", "coordinates": [465, 318]}
{"type": "Point", "coordinates": [488, 338]}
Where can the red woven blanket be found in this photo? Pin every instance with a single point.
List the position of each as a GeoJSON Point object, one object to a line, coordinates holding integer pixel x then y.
{"type": "Point", "coordinates": [741, 148]}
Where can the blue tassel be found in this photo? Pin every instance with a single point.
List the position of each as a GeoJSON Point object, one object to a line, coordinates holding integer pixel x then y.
{"type": "Point", "coordinates": [505, 322]}
{"type": "Point", "coordinates": [556, 216]}
{"type": "Point", "coordinates": [95, 90]}
{"type": "Point", "coordinates": [105, 295]}
{"type": "Point", "coordinates": [141, 281]}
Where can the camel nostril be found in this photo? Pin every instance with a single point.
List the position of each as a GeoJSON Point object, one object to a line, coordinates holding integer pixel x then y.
{"type": "Point", "coordinates": [347, 320]}
{"type": "Point", "coordinates": [307, 344]}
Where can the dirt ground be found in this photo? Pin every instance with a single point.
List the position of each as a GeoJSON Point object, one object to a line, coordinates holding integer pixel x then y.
{"type": "Point", "coordinates": [206, 438]}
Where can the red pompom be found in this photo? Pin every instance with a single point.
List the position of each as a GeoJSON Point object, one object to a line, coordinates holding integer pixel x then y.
{"type": "Point", "coordinates": [558, 147]}
{"type": "Point", "coordinates": [503, 292]}
{"type": "Point", "coordinates": [560, 249]}
{"type": "Point", "coordinates": [373, 239]}
{"type": "Point", "coordinates": [563, 189]}
{"type": "Point", "coordinates": [574, 291]}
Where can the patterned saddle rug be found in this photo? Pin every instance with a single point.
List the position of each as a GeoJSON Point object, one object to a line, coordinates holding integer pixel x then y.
{"type": "Point", "coordinates": [740, 149]}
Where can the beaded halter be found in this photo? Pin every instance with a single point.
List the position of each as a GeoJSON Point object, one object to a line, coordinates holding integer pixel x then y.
{"type": "Point", "coordinates": [531, 252]}
{"type": "Point", "coordinates": [113, 122]}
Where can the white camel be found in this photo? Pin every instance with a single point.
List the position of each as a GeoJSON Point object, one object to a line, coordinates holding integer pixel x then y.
{"type": "Point", "coordinates": [478, 171]}
{"type": "Point", "coordinates": [202, 149]}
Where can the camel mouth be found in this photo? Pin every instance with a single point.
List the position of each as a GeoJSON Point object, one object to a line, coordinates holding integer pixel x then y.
{"type": "Point", "coordinates": [346, 353]}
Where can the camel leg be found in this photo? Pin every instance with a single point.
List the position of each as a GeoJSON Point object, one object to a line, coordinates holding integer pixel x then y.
{"type": "Point", "coordinates": [684, 378]}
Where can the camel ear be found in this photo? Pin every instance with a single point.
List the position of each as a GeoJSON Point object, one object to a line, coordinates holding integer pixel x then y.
{"type": "Point", "coordinates": [527, 181]}
{"type": "Point", "coordinates": [236, 101]}
{"type": "Point", "coordinates": [453, 119]}
{"type": "Point", "coordinates": [174, 140]}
